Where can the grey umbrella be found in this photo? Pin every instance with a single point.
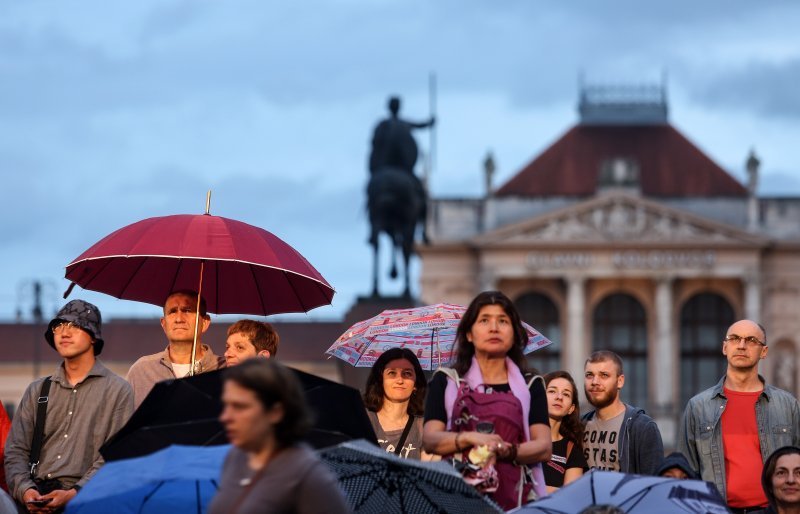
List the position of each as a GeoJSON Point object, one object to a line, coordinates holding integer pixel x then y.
{"type": "Point", "coordinates": [377, 481]}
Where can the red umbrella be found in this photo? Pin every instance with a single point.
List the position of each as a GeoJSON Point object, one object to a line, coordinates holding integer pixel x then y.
{"type": "Point", "coordinates": [240, 268]}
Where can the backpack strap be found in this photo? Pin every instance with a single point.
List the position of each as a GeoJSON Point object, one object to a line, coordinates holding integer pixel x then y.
{"type": "Point", "coordinates": [534, 378]}
{"type": "Point", "coordinates": [450, 392]}
{"type": "Point", "coordinates": [38, 428]}
{"type": "Point", "coordinates": [451, 373]}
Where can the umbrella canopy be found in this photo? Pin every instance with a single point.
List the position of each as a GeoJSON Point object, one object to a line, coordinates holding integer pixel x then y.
{"type": "Point", "coordinates": [186, 411]}
{"type": "Point", "coordinates": [428, 331]}
{"type": "Point", "coordinates": [245, 269]}
{"type": "Point", "coordinates": [632, 493]}
{"type": "Point", "coordinates": [378, 481]}
{"type": "Point", "coordinates": [178, 411]}
{"type": "Point", "coordinates": [176, 479]}
{"type": "Point", "coordinates": [339, 412]}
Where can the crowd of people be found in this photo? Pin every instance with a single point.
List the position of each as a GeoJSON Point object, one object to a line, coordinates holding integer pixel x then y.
{"type": "Point", "coordinates": [515, 435]}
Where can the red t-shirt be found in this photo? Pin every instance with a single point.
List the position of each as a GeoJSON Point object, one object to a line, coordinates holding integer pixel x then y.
{"type": "Point", "coordinates": [5, 428]}
{"type": "Point", "coordinates": [742, 450]}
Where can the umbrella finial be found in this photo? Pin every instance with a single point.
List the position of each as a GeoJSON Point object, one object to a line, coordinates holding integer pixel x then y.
{"type": "Point", "coordinates": [208, 202]}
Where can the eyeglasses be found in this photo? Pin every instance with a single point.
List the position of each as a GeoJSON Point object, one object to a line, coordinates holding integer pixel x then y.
{"type": "Point", "coordinates": [749, 341]}
{"type": "Point", "coordinates": [64, 326]}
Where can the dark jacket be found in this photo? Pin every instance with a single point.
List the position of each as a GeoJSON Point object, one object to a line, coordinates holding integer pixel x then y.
{"type": "Point", "coordinates": [677, 460]}
{"type": "Point", "coordinates": [639, 445]}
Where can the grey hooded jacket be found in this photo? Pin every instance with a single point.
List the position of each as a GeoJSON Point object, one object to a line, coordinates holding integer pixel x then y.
{"type": "Point", "coordinates": [640, 447]}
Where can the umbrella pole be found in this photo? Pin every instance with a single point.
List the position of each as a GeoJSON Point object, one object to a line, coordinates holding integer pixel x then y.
{"type": "Point", "coordinates": [438, 351]}
{"type": "Point", "coordinates": [197, 318]}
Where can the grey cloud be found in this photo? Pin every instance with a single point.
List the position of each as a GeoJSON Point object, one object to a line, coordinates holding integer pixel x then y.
{"type": "Point", "coordinates": [321, 52]}
{"type": "Point", "coordinates": [765, 88]}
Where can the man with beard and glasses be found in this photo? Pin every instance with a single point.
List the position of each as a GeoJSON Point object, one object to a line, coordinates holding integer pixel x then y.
{"type": "Point", "coordinates": [729, 429]}
{"type": "Point", "coordinates": [618, 436]}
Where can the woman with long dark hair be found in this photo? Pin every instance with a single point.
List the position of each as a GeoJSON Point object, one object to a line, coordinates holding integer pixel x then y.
{"type": "Point", "coordinates": [394, 397]}
{"type": "Point", "coordinates": [487, 409]}
{"type": "Point", "coordinates": [268, 470]}
{"type": "Point", "coordinates": [567, 462]}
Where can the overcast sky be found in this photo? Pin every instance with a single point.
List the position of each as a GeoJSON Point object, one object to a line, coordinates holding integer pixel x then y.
{"type": "Point", "coordinates": [111, 112]}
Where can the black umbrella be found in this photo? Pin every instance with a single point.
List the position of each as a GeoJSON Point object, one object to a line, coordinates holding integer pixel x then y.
{"type": "Point", "coordinates": [178, 411]}
{"type": "Point", "coordinates": [633, 494]}
{"type": "Point", "coordinates": [339, 412]}
{"type": "Point", "coordinates": [185, 411]}
{"type": "Point", "coordinates": [377, 481]}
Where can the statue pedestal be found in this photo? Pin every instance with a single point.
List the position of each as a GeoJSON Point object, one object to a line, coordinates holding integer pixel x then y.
{"type": "Point", "coordinates": [365, 308]}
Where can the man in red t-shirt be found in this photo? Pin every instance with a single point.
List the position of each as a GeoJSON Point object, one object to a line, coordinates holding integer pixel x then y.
{"type": "Point", "coordinates": [5, 428]}
{"type": "Point", "coordinates": [729, 429]}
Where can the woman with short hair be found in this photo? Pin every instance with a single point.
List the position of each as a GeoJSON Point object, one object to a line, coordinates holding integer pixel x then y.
{"type": "Point", "coordinates": [268, 469]}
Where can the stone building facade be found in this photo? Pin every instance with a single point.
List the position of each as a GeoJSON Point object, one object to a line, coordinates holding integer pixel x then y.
{"type": "Point", "coordinates": [623, 235]}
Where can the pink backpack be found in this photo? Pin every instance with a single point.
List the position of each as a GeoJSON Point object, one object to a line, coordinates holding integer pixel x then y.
{"type": "Point", "coordinates": [475, 409]}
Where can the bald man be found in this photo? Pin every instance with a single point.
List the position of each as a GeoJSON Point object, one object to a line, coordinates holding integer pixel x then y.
{"type": "Point", "coordinates": [729, 429]}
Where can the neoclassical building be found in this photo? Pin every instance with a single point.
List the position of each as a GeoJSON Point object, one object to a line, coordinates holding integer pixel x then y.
{"type": "Point", "coordinates": [623, 235]}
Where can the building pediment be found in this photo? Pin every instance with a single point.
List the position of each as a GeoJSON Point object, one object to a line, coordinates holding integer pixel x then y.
{"type": "Point", "coordinates": [619, 218]}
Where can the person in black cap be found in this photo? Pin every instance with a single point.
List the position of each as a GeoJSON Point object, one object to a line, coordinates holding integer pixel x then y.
{"type": "Point", "coordinates": [76, 410]}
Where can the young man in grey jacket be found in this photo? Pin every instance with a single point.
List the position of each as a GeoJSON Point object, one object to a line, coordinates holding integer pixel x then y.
{"type": "Point", "coordinates": [618, 436]}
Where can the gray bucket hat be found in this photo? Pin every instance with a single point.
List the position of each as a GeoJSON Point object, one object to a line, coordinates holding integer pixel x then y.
{"type": "Point", "coordinates": [83, 314]}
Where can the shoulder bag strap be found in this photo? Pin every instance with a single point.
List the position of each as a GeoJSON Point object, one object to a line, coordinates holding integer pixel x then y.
{"type": "Point", "coordinates": [38, 428]}
{"type": "Point", "coordinates": [570, 445]}
{"type": "Point", "coordinates": [404, 435]}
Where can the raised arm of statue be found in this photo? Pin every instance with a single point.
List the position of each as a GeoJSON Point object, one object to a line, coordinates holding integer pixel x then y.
{"type": "Point", "coordinates": [424, 124]}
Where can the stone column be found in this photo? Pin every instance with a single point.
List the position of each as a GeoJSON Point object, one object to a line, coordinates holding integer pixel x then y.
{"type": "Point", "coordinates": [752, 311]}
{"type": "Point", "coordinates": [752, 297]}
{"type": "Point", "coordinates": [576, 348]}
{"type": "Point", "coordinates": [487, 281]}
{"type": "Point", "coordinates": [662, 363]}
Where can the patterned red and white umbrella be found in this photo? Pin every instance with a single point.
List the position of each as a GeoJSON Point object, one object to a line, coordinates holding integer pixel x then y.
{"type": "Point", "coordinates": [428, 331]}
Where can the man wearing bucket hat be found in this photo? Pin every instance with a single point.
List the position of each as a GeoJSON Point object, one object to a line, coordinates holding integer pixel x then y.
{"type": "Point", "coordinates": [63, 420]}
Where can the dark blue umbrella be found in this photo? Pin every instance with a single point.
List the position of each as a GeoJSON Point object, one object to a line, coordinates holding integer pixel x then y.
{"type": "Point", "coordinates": [175, 479]}
{"type": "Point", "coordinates": [632, 493]}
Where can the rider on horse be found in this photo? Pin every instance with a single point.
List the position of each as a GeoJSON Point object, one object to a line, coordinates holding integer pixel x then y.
{"type": "Point", "coordinates": [396, 196]}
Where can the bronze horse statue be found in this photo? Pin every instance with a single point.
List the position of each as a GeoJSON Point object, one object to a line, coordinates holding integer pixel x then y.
{"type": "Point", "coordinates": [396, 198]}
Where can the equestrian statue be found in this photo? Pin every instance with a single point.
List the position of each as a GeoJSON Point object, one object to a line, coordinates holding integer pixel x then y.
{"type": "Point", "coordinates": [396, 197]}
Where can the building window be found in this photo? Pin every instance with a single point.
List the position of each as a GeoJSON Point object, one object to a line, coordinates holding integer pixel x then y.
{"type": "Point", "coordinates": [705, 319]}
{"type": "Point", "coordinates": [620, 325]}
{"type": "Point", "coordinates": [542, 314]}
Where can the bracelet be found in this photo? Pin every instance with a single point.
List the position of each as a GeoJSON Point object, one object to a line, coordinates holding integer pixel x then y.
{"type": "Point", "coordinates": [512, 454]}
{"type": "Point", "coordinates": [458, 446]}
